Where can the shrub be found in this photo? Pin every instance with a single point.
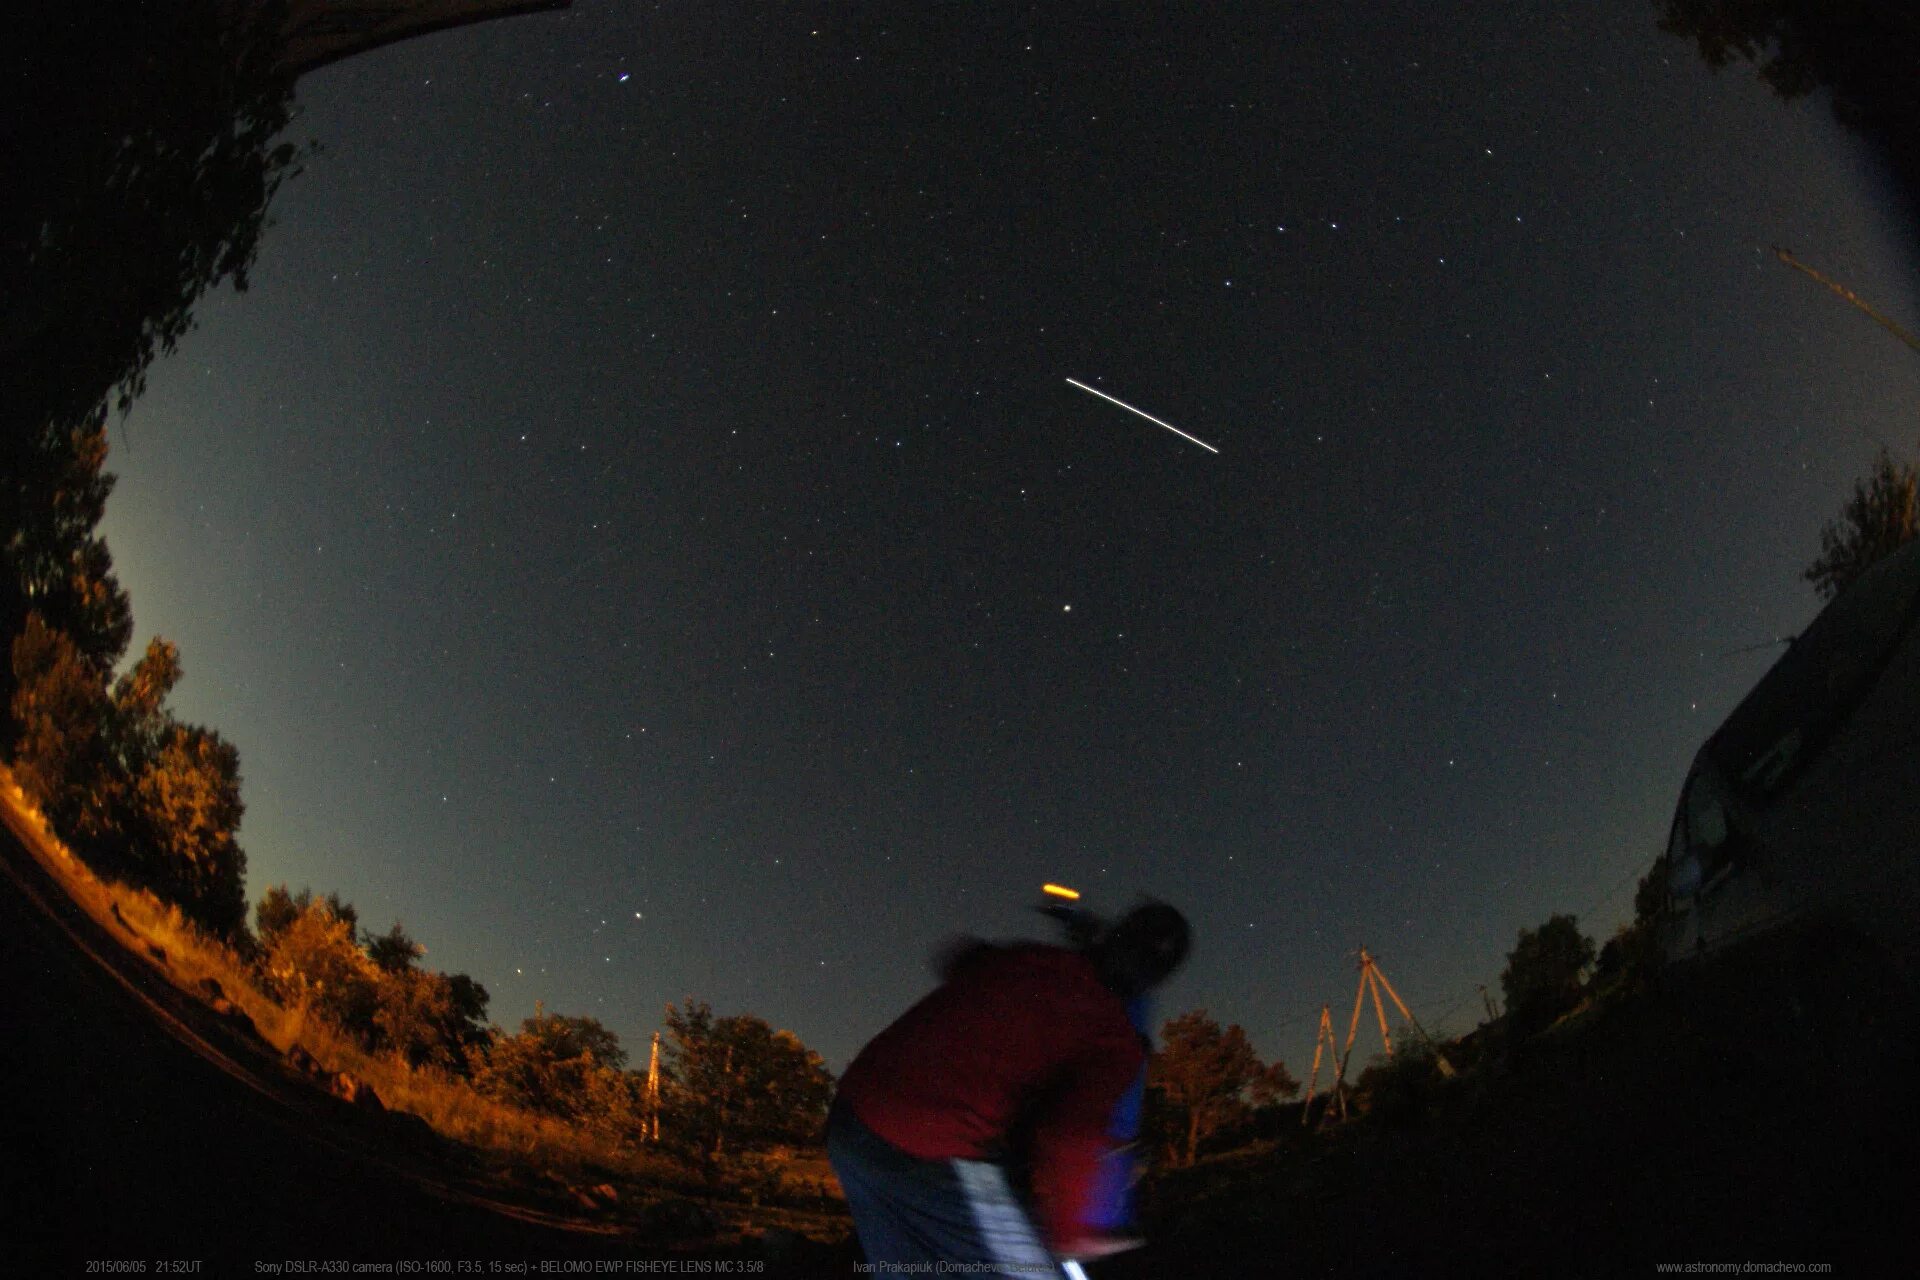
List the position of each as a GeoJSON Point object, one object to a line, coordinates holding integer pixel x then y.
{"type": "Point", "coordinates": [564, 1067]}
{"type": "Point", "coordinates": [314, 962]}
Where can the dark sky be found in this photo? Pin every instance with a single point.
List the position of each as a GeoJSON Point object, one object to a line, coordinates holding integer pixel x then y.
{"type": "Point", "coordinates": [638, 532]}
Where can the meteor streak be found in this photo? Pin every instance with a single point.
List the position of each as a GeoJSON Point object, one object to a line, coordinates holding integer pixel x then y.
{"type": "Point", "coordinates": [1149, 417]}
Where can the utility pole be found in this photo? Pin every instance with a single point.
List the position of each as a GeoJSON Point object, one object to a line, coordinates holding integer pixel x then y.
{"type": "Point", "coordinates": [1487, 1000]}
{"type": "Point", "coordinates": [1849, 295]}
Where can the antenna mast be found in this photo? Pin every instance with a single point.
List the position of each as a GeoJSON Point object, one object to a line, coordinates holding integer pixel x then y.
{"type": "Point", "coordinates": [1372, 980]}
{"type": "Point", "coordinates": [1849, 295]}
{"type": "Point", "coordinates": [650, 1128]}
{"type": "Point", "coordinates": [1324, 1043]}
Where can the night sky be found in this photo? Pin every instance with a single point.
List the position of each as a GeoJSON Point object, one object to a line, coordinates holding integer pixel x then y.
{"type": "Point", "coordinates": [639, 534]}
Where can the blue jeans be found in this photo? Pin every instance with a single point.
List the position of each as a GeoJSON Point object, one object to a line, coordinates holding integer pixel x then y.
{"type": "Point", "coordinates": [908, 1210]}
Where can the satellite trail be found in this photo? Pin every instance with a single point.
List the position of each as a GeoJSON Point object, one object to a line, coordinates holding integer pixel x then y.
{"type": "Point", "coordinates": [1149, 417]}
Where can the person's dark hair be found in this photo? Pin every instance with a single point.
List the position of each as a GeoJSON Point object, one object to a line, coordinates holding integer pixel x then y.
{"type": "Point", "coordinates": [1141, 950]}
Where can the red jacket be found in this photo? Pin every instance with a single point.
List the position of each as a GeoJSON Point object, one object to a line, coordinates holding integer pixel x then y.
{"type": "Point", "coordinates": [1024, 1033]}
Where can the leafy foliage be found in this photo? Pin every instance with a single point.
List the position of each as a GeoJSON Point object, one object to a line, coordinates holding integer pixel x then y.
{"type": "Point", "coordinates": [138, 152]}
{"type": "Point", "coordinates": [393, 950]}
{"type": "Point", "coordinates": [566, 1067]}
{"type": "Point", "coordinates": [188, 800]}
{"type": "Point", "coordinates": [1881, 516]}
{"type": "Point", "coordinates": [277, 909]}
{"type": "Point", "coordinates": [139, 142]}
{"type": "Point", "coordinates": [1862, 51]}
{"type": "Point", "coordinates": [53, 555]}
{"type": "Point", "coordinates": [736, 1080]}
{"type": "Point", "coordinates": [59, 709]}
{"type": "Point", "coordinates": [136, 792]}
{"type": "Point", "coordinates": [372, 989]}
{"type": "Point", "coordinates": [1202, 1079]}
{"type": "Point", "coordinates": [433, 1019]}
{"type": "Point", "coordinates": [313, 962]}
{"type": "Point", "coordinates": [1544, 972]}
{"type": "Point", "coordinates": [1627, 959]}
{"type": "Point", "coordinates": [1402, 1090]}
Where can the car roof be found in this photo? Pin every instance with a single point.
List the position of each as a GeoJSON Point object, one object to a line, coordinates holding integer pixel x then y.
{"type": "Point", "coordinates": [1820, 679]}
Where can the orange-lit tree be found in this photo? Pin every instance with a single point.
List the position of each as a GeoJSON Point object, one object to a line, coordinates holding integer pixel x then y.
{"type": "Point", "coordinates": [736, 1082]}
{"type": "Point", "coordinates": [1204, 1078]}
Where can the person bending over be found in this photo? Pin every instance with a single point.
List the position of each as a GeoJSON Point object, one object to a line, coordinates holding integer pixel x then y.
{"type": "Point", "coordinates": [1015, 1064]}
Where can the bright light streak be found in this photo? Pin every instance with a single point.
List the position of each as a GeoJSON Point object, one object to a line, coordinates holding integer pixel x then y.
{"type": "Point", "coordinates": [1060, 891]}
{"type": "Point", "coordinates": [1149, 417]}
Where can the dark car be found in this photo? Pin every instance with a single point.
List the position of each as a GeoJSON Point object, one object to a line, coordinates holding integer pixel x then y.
{"type": "Point", "coordinates": [1806, 801]}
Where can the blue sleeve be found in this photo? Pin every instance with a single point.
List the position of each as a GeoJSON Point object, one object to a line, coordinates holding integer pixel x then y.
{"type": "Point", "coordinates": [1113, 1188]}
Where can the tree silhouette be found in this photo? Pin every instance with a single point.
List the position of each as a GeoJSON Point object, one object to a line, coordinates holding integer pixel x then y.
{"type": "Point", "coordinates": [1880, 516]}
{"type": "Point", "coordinates": [140, 160]}
{"type": "Point", "coordinates": [136, 793]}
{"type": "Point", "coordinates": [393, 950]}
{"type": "Point", "coordinates": [138, 152]}
{"type": "Point", "coordinates": [1202, 1079]}
{"type": "Point", "coordinates": [1863, 51]}
{"type": "Point", "coordinates": [1544, 972]}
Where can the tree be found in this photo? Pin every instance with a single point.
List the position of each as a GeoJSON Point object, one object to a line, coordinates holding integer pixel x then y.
{"type": "Point", "coordinates": [393, 950]}
{"type": "Point", "coordinates": [51, 550]}
{"type": "Point", "coordinates": [1544, 972]}
{"type": "Point", "coordinates": [134, 791]}
{"type": "Point", "coordinates": [1881, 516]}
{"type": "Point", "coordinates": [119, 832]}
{"type": "Point", "coordinates": [274, 912]}
{"type": "Point", "coordinates": [313, 962]}
{"type": "Point", "coordinates": [560, 1066]}
{"type": "Point", "coordinates": [736, 1080]}
{"type": "Point", "coordinates": [1863, 51]}
{"type": "Point", "coordinates": [139, 146]}
{"type": "Point", "coordinates": [1633, 954]}
{"type": "Point", "coordinates": [278, 909]}
{"type": "Point", "coordinates": [188, 799]}
{"type": "Point", "coordinates": [469, 1028]}
{"type": "Point", "coordinates": [138, 150]}
{"type": "Point", "coordinates": [432, 1019]}
{"type": "Point", "coordinates": [1401, 1090]}
{"type": "Point", "coordinates": [59, 707]}
{"type": "Point", "coordinates": [1202, 1079]}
